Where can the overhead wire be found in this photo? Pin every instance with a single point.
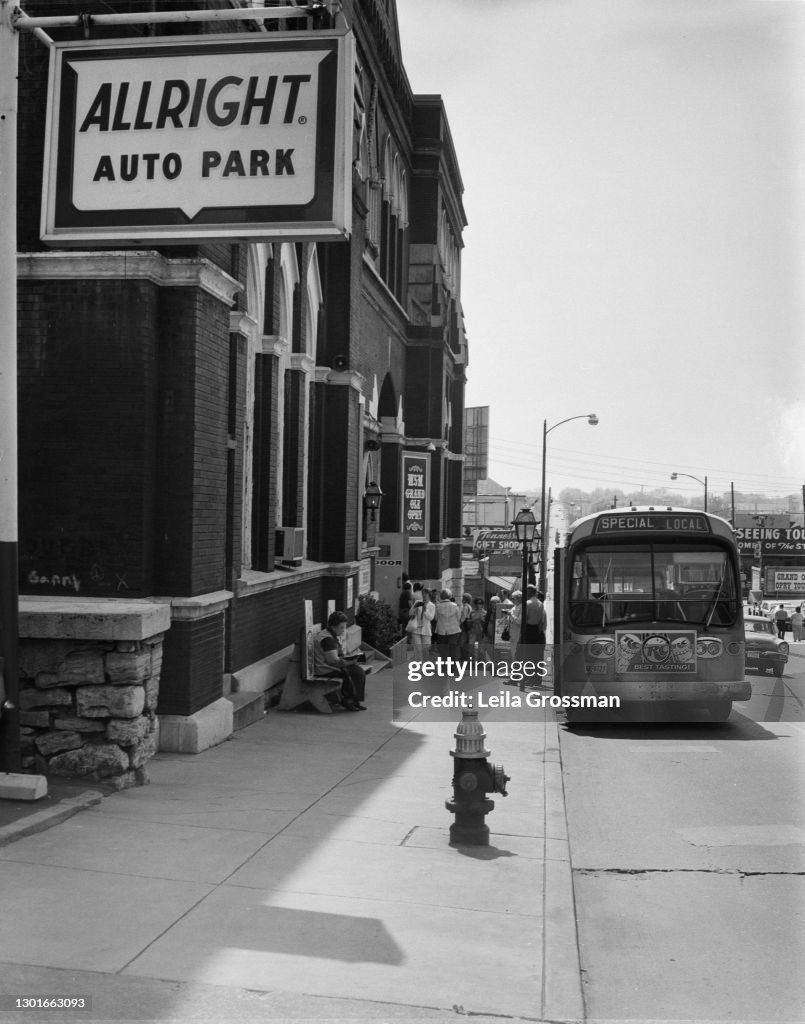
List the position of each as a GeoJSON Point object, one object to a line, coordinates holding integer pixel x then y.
{"type": "Point", "coordinates": [569, 461]}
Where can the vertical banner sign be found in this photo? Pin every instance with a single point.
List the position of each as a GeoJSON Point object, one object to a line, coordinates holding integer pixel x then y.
{"type": "Point", "coordinates": [416, 484]}
{"type": "Point", "coordinates": [228, 136]}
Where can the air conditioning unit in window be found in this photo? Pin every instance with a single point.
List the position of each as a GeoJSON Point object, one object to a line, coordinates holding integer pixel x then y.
{"type": "Point", "coordinates": [289, 546]}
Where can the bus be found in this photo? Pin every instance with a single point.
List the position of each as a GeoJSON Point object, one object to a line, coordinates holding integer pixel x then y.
{"type": "Point", "coordinates": [647, 607]}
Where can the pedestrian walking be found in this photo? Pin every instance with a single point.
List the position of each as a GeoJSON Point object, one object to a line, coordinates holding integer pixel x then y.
{"type": "Point", "coordinates": [448, 624]}
{"type": "Point", "coordinates": [423, 612]}
{"type": "Point", "coordinates": [780, 617]}
{"type": "Point", "coordinates": [797, 622]}
{"type": "Point", "coordinates": [464, 618]}
{"type": "Point", "coordinates": [405, 603]}
{"type": "Point", "coordinates": [476, 633]}
{"type": "Point", "coordinates": [535, 618]}
{"type": "Point", "coordinates": [516, 619]}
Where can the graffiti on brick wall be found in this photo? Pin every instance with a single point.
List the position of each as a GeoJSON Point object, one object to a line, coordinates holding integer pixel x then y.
{"type": "Point", "coordinates": [73, 563]}
{"type": "Point", "coordinates": [70, 582]}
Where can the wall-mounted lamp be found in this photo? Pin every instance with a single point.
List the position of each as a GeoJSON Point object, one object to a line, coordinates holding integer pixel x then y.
{"type": "Point", "coordinates": [372, 497]}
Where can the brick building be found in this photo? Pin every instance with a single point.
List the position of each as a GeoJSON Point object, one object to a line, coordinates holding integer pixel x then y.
{"type": "Point", "coordinates": [199, 423]}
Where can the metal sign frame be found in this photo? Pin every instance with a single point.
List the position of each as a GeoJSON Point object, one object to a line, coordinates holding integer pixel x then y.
{"type": "Point", "coordinates": [183, 176]}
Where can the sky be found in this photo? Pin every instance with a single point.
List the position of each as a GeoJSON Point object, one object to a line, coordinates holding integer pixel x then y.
{"type": "Point", "coordinates": [634, 176]}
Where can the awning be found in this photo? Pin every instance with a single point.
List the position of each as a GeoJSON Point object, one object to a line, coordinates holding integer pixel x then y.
{"type": "Point", "coordinates": [504, 582]}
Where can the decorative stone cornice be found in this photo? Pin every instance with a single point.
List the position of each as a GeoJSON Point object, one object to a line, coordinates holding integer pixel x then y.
{"type": "Point", "coordinates": [343, 378]}
{"type": "Point", "coordinates": [201, 607]}
{"type": "Point", "coordinates": [241, 323]}
{"type": "Point", "coordinates": [302, 362]}
{"type": "Point", "coordinates": [274, 345]}
{"type": "Point", "coordinates": [428, 443]}
{"type": "Point", "coordinates": [91, 618]}
{"type": "Point", "coordinates": [129, 265]}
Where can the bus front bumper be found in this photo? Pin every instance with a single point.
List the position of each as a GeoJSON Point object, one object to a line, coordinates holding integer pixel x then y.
{"type": "Point", "coordinates": [635, 691]}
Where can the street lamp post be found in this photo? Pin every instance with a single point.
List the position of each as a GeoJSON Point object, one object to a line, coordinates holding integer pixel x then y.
{"type": "Point", "coordinates": [525, 527]}
{"type": "Point", "coordinates": [592, 419]}
{"type": "Point", "coordinates": [698, 481]}
{"type": "Point", "coordinates": [761, 521]}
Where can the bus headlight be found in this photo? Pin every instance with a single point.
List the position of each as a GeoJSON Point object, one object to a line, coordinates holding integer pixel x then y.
{"type": "Point", "coordinates": [708, 647]}
{"type": "Point", "coordinates": [734, 648]}
{"type": "Point", "coordinates": [601, 647]}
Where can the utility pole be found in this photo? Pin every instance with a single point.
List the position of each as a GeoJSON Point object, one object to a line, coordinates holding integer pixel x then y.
{"type": "Point", "coordinates": [9, 596]}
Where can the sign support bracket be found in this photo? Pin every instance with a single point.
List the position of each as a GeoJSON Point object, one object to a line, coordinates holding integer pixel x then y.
{"type": "Point", "coordinates": [23, 22]}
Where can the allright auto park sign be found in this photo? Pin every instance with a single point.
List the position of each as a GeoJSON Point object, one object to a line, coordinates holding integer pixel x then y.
{"type": "Point", "coordinates": [183, 138]}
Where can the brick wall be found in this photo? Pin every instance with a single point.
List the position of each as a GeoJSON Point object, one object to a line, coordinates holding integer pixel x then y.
{"type": "Point", "coordinates": [87, 436]}
{"type": "Point", "coordinates": [192, 666]}
{"type": "Point", "coordinates": [333, 479]}
{"type": "Point", "coordinates": [293, 511]}
{"type": "Point", "coordinates": [234, 487]}
{"type": "Point", "coordinates": [264, 462]}
{"type": "Point", "coordinates": [193, 429]}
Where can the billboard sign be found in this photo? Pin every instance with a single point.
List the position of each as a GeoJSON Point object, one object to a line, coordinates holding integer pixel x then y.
{"type": "Point", "coordinates": [788, 581]}
{"type": "Point", "coordinates": [185, 138]}
{"type": "Point", "coordinates": [771, 540]}
{"type": "Point", "coordinates": [416, 482]}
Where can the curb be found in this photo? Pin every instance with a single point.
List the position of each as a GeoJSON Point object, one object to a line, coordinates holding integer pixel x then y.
{"type": "Point", "coordinates": [41, 820]}
{"type": "Point", "coordinates": [562, 998]}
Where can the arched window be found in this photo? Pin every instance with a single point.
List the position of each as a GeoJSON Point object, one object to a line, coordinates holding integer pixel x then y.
{"type": "Point", "coordinates": [268, 359]}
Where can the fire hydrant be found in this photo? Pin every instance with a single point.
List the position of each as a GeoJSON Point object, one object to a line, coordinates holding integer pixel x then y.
{"type": "Point", "coordinates": [473, 778]}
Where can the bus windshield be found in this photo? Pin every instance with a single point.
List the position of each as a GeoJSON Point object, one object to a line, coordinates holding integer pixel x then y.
{"type": "Point", "coordinates": [645, 582]}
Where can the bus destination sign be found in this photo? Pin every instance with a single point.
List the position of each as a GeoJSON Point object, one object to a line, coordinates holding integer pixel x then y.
{"type": "Point", "coordinates": [650, 522]}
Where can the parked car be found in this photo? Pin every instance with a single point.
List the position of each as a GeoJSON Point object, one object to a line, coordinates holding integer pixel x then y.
{"type": "Point", "coordinates": [763, 647]}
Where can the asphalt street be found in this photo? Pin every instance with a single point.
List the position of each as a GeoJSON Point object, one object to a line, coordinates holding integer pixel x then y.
{"type": "Point", "coordinates": [687, 847]}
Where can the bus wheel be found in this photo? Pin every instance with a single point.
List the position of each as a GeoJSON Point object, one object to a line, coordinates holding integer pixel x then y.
{"type": "Point", "coordinates": [719, 710]}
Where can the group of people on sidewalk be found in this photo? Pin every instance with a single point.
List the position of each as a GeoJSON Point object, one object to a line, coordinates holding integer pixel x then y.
{"type": "Point", "coordinates": [427, 619]}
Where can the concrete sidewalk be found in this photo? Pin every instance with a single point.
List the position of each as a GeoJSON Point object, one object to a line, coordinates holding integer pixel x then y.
{"type": "Point", "coordinates": [301, 871]}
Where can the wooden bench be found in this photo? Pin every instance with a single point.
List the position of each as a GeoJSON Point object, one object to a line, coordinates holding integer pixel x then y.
{"type": "Point", "coordinates": [298, 689]}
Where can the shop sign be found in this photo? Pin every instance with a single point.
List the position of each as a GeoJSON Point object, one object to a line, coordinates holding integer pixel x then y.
{"type": "Point", "coordinates": [788, 581]}
{"type": "Point", "coordinates": [364, 577]}
{"type": "Point", "coordinates": [416, 483]}
{"type": "Point", "coordinates": [768, 540]}
{"type": "Point", "coordinates": [504, 551]}
{"type": "Point", "coordinates": [179, 139]}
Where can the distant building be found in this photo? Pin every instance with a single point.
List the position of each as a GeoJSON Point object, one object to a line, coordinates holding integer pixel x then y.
{"type": "Point", "coordinates": [476, 447]}
{"type": "Point", "coordinates": [491, 504]}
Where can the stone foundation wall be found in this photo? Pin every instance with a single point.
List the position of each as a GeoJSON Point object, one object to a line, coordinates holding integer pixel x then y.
{"type": "Point", "coordinates": [89, 675]}
{"type": "Point", "coordinates": [88, 709]}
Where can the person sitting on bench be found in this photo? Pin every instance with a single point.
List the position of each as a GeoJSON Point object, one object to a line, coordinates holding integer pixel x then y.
{"type": "Point", "coordinates": [329, 660]}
